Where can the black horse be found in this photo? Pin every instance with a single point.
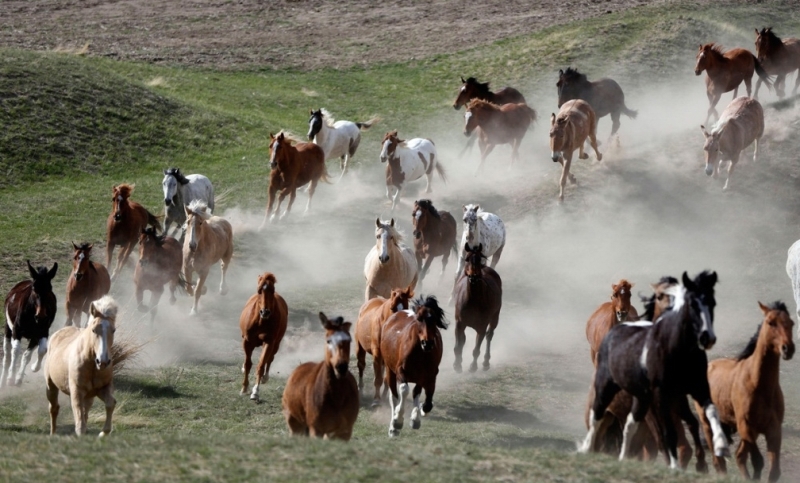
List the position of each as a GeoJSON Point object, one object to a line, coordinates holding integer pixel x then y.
{"type": "Point", "coordinates": [604, 95]}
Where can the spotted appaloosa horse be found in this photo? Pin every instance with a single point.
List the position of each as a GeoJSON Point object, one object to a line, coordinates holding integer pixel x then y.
{"type": "Point", "coordinates": [481, 228]}
{"type": "Point", "coordinates": [339, 139]}
{"type": "Point", "coordinates": [609, 314]}
{"type": "Point", "coordinates": [88, 282]}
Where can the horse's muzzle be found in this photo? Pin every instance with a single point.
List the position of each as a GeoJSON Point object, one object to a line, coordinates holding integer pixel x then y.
{"type": "Point", "coordinates": [192, 246]}
{"type": "Point", "coordinates": [417, 234]}
{"type": "Point", "coordinates": [273, 165]}
{"type": "Point", "coordinates": [467, 133]}
{"type": "Point", "coordinates": [264, 313]}
{"type": "Point", "coordinates": [383, 259]}
{"type": "Point", "coordinates": [341, 369]}
{"type": "Point", "coordinates": [555, 156]}
{"type": "Point", "coordinates": [709, 170]}
{"type": "Point", "coordinates": [117, 216]}
{"type": "Point", "coordinates": [167, 202]}
{"type": "Point", "coordinates": [621, 316]}
{"type": "Point", "coordinates": [707, 340]}
{"type": "Point", "coordinates": [102, 363]}
{"type": "Point", "coordinates": [426, 345]}
{"type": "Point", "coordinates": [697, 72]}
{"type": "Point", "coordinates": [78, 276]}
{"type": "Point", "coordinates": [456, 107]}
{"type": "Point", "coordinates": [787, 351]}
{"type": "Point", "coordinates": [383, 159]}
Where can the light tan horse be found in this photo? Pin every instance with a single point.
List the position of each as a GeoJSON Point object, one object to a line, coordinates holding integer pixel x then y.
{"type": "Point", "coordinates": [209, 239]}
{"type": "Point", "coordinates": [79, 363]}
{"type": "Point", "coordinates": [568, 131]}
{"type": "Point", "coordinates": [390, 263]}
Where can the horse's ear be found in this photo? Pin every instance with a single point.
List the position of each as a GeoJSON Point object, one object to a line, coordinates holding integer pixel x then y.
{"type": "Point", "coordinates": [713, 278]}
{"type": "Point", "coordinates": [552, 118]}
{"type": "Point", "coordinates": [346, 326]}
{"type": "Point", "coordinates": [466, 248]}
{"type": "Point", "coordinates": [52, 272]}
{"type": "Point", "coordinates": [32, 270]}
{"type": "Point", "coordinates": [464, 207]}
{"type": "Point", "coordinates": [687, 282]}
{"type": "Point", "coordinates": [75, 246]}
{"type": "Point", "coordinates": [410, 290]}
{"type": "Point", "coordinates": [166, 172]}
{"type": "Point", "coordinates": [91, 245]}
{"type": "Point", "coordinates": [378, 222]}
{"type": "Point", "coordinates": [391, 223]}
{"type": "Point", "coordinates": [756, 31]}
{"type": "Point", "coordinates": [94, 312]}
{"type": "Point", "coordinates": [462, 80]}
{"type": "Point", "coordinates": [187, 210]}
{"type": "Point", "coordinates": [560, 71]}
{"type": "Point", "coordinates": [477, 208]}
{"type": "Point", "coordinates": [705, 133]}
{"type": "Point", "coordinates": [764, 308]}
{"type": "Point", "coordinates": [480, 247]}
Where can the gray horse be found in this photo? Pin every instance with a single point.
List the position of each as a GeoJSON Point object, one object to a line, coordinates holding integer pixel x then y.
{"type": "Point", "coordinates": [180, 190]}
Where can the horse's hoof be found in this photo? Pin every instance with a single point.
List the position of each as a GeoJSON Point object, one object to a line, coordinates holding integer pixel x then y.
{"type": "Point", "coordinates": [140, 308]}
{"type": "Point", "coordinates": [254, 397]}
{"type": "Point", "coordinates": [473, 367]}
{"type": "Point", "coordinates": [375, 403]}
{"type": "Point", "coordinates": [426, 408]}
{"type": "Point", "coordinates": [485, 366]}
{"type": "Point", "coordinates": [599, 157]}
{"type": "Point", "coordinates": [193, 313]}
{"type": "Point", "coordinates": [584, 156]}
{"type": "Point", "coordinates": [415, 424]}
{"type": "Point", "coordinates": [701, 467]}
{"type": "Point", "coordinates": [103, 434]}
{"type": "Point", "coordinates": [397, 424]}
{"type": "Point", "coordinates": [457, 368]}
{"type": "Point", "coordinates": [224, 291]}
{"type": "Point", "coordinates": [393, 433]}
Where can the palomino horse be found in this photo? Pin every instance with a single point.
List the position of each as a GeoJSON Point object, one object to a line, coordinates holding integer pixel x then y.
{"type": "Point", "coordinates": [569, 130]}
{"type": "Point", "coordinates": [338, 139]}
{"type": "Point", "coordinates": [30, 309]}
{"type": "Point", "coordinates": [263, 324]}
{"type": "Point", "coordinates": [434, 235]}
{"type": "Point", "coordinates": [321, 398]}
{"type": "Point", "coordinates": [160, 262]}
{"type": "Point", "coordinates": [741, 124]}
{"type": "Point", "coordinates": [481, 228]}
{"type": "Point", "coordinates": [479, 297]}
{"type": "Point", "coordinates": [127, 219]}
{"type": "Point", "coordinates": [179, 190]}
{"type": "Point", "coordinates": [793, 271]}
{"type": "Point", "coordinates": [374, 312]}
{"type": "Point", "coordinates": [408, 161]}
{"type": "Point", "coordinates": [604, 95]}
{"type": "Point", "coordinates": [608, 315]}
{"type": "Point", "coordinates": [779, 58]}
{"type": "Point", "coordinates": [80, 365]}
{"type": "Point", "coordinates": [506, 124]}
{"type": "Point", "coordinates": [411, 347]}
{"type": "Point", "coordinates": [390, 263]}
{"type": "Point", "coordinates": [747, 393]}
{"type": "Point", "coordinates": [88, 282]}
{"type": "Point", "coordinates": [294, 164]}
{"type": "Point", "coordinates": [725, 72]}
{"type": "Point", "coordinates": [209, 240]}
{"type": "Point", "coordinates": [472, 89]}
{"type": "Point", "coordinates": [659, 364]}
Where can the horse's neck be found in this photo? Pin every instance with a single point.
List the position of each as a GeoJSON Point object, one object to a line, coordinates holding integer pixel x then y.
{"type": "Point", "coordinates": [322, 136]}
{"type": "Point", "coordinates": [718, 61]}
{"type": "Point", "coordinates": [764, 365]}
{"type": "Point", "coordinates": [731, 137]}
{"type": "Point", "coordinates": [86, 345]}
{"type": "Point", "coordinates": [179, 193]}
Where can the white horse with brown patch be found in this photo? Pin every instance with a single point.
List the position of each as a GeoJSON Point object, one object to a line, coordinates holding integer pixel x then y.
{"type": "Point", "coordinates": [390, 263]}
{"type": "Point", "coordinates": [408, 161]}
{"type": "Point", "coordinates": [338, 139]}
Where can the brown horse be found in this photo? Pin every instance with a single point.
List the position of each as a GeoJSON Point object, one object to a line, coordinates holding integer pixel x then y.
{"type": "Point", "coordinates": [294, 164]}
{"type": "Point", "coordinates": [569, 129]}
{"type": "Point", "coordinates": [779, 58]}
{"type": "Point", "coordinates": [608, 315]}
{"type": "Point", "coordinates": [263, 324]}
{"type": "Point", "coordinates": [472, 89]}
{"type": "Point", "coordinates": [747, 393]}
{"type": "Point", "coordinates": [434, 235]}
{"type": "Point", "coordinates": [725, 72]}
{"type": "Point", "coordinates": [88, 282]}
{"type": "Point", "coordinates": [371, 317]}
{"type": "Point", "coordinates": [160, 262]}
{"type": "Point", "coordinates": [411, 348]}
{"type": "Point", "coordinates": [127, 219]}
{"type": "Point", "coordinates": [321, 399]}
{"type": "Point", "coordinates": [506, 124]}
{"type": "Point", "coordinates": [478, 299]}
{"type": "Point", "coordinates": [209, 239]}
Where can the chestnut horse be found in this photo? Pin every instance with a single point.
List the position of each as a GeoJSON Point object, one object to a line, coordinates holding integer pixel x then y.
{"type": "Point", "coordinates": [608, 315]}
{"type": "Point", "coordinates": [263, 324]}
{"type": "Point", "coordinates": [434, 235]}
{"type": "Point", "coordinates": [321, 399]}
{"type": "Point", "coordinates": [506, 124]}
{"type": "Point", "coordinates": [748, 396]}
{"type": "Point", "coordinates": [294, 164]}
{"type": "Point", "coordinates": [371, 317]}
{"type": "Point", "coordinates": [127, 219]}
{"type": "Point", "coordinates": [779, 58]}
{"type": "Point", "coordinates": [411, 348]}
{"type": "Point", "coordinates": [160, 262]}
{"type": "Point", "coordinates": [569, 129]}
{"type": "Point", "coordinates": [604, 95]}
{"type": "Point", "coordinates": [725, 72]}
{"type": "Point", "coordinates": [209, 239]}
{"type": "Point", "coordinates": [478, 299]}
{"type": "Point", "coordinates": [88, 282]}
{"type": "Point", "coordinates": [472, 89]}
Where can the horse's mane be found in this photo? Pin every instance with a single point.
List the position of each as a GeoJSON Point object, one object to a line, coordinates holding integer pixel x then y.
{"type": "Point", "coordinates": [428, 205]}
{"type": "Point", "coordinates": [291, 137]}
{"type": "Point", "coordinates": [570, 72]}
{"type": "Point", "coordinates": [437, 313]}
{"type": "Point", "coordinates": [159, 239]}
{"type": "Point", "coordinates": [479, 103]}
{"type": "Point", "coordinates": [750, 348]}
{"type": "Point", "coordinates": [396, 234]}
{"type": "Point", "coordinates": [176, 173]}
{"type": "Point", "coordinates": [772, 39]}
{"type": "Point", "coordinates": [483, 87]}
{"type": "Point", "coordinates": [84, 247]}
{"type": "Point", "coordinates": [327, 117]}
{"type": "Point", "coordinates": [107, 307]}
{"type": "Point", "coordinates": [199, 208]}
{"type": "Point", "coordinates": [125, 189]}
{"type": "Point", "coordinates": [714, 47]}
{"type": "Point", "coordinates": [650, 302]}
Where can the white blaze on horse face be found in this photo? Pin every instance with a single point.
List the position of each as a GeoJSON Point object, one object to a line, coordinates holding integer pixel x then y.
{"type": "Point", "coordinates": [708, 326]}
{"type": "Point", "coordinates": [463, 88]}
{"type": "Point", "coordinates": [385, 150]}
{"type": "Point", "coordinates": [384, 245]}
{"type": "Point", "coordinates": [170, 187]}
{"type": "Point", "coordinates": [337, 338]}
{"type": "Point", "coordinates": [102, 344]}
{"type": "Point", "coordinates": [119, 197]}
{"type": "Point", "coordinates": [273, 150]}
{"type": "Point", "coordinates": [418, 214]}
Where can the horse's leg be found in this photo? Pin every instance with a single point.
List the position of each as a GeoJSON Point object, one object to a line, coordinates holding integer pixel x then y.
{"type": "Point", "coordinates": [262, 370]}
{"type": "Point", "coordinates": [565, 161]}
{"type": "Point", "coordinates": [296, 427]}
{"type": "Point", "coordinates": [639, 410]}
{"type": "Point", "coordinates": [6, 360]}
{"type": "Point", "coordinates": [484, 154]}
{"type": "Point", "coordinates": [461, 339]}
{"type": "Point", "coordinates": [713, 99]}
{"type": "Point", "coordinates": [396, 196]}
{"type": "Point", "coordinates": [416, 410]}
{"type": "Point", "coordinates": [479, 336]}
{"type": "Point", "coordinates": [685, 413]}
{"type": "Point", "coordinates": [758, 85]}
{"type": "Point", "coordinates": [736, 92]}
{"type": "Point", "coordinates": [780, 83]}
{"type": "Point", "coordinates": [155, 296]}
{"type": "Point", "coordinates": [16, 354]}
{"type": "Point", "coordinates": [605, 389]}
{"type": "Point", "coordinates": [139, 294]}
{"type": "Point", "coordinates": [741, 457]}
{"type": "Point", "coordinates": [796, 83]}
{"type": "Point", "coordinates": [292, 196]}
{"type": "Point", "coordinates": [614, 124]}
{"type": "Point", "coordinates": [106, 394]}
{"type": "Point", "coordinates": [496, 255]}
{"type": "Point", "coordinates": [773, 437]}
{"type": "Point", "coordinates": [748, 85]}
{"type": "Point", "coordinates": [361, 363]}
{"type": "Point", "coordinates": [248, 364]}
{"type": "Point", "coordinates": [377, 368]}
{"type": "Point", "coordinates": [76, 398]}
{"type": "Point", "coordinates": [311, 189]}
{"type": "Point", "coordinates": [489, 336]}
{"type": "Point", "coordinates": [425, 269]}
{"type": "Point", "coordinates": [719, 462]}
{"type": "Point", "coordinates": [731, 165]}
{"type": "Point", "coordinates": [430, 388]}
{"type": "Point", "coordinates": [223, 285]}
{"type": "Point", "coordinates": [109, 255]}
{"type": "Point", "coordinates": [391, 382]}
{"type": "Point", "coordinates": [757, 459]}
{"type": "Point", "coordinates": [281, 197]}
{"type": "Point", "coordinates": [52, 398]}
{"type": "Point", "coordinates": [198, 289]}
{"type": "Point", "coordinates": [26, 359]}
{"type": "Point", "coordinates": [755, 151]}
{"type": "Point", "coordinates": [71, 309]}
{"type": "Point", "coordinates": [593, 143]}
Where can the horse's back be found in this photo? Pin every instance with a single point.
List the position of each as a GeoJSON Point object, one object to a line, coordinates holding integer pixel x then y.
{"type": "Point", "coordinates": [367, 315]}
{"type": "Point", "coordinates": [748, 114]}
{"type": "Point", "coordinates": [508, 95]}
{"type": "Point", "coordinates": [200, 187]}
{"type": "Point", "coordinates": [496, 231]}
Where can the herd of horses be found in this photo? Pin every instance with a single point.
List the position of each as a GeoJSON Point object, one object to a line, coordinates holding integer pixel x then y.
{"type": "Point", "coordinates": [645, 366]}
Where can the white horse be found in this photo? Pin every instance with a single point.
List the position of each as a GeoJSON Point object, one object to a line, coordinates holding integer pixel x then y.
{"type": "Point", "coordinates": [408, 161]}
{"type": "Point", "coordinates": [338, 139]}
{"type": "Point", "coordinates": [793, 270]}
{"type": "Point", "coordinates": [180, 190]}
{"type": "Point", "coordinates": [390, 264]}
{"type": "Point", "coordinates": [482, 227]}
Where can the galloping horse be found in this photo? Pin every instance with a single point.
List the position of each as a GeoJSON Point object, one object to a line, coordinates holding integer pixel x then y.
{"type": "Point", "coordinates": [411, 347]}
{"type": "Point", "coordinates": [371, 317]}
{"type": "Point", "coordinates": [472, 89]}
{"type": "Point", "coordinates": [779, 58]}
{"type": "Point", "coordinates": [725, 71]}
{"type": "Point", "coordinates": [127, 219]}
{"type": "Point", "coordinates": [293, 165]}
{"type": "Point", "coordinates": [434, 235]}
{"type": "Point", "coordinates": [608, 315]}
{"type": "Point", "coordinates": [338, 139]}
{"type": "Point", "coordinates": [30, 308]}
{"type": "Point", "coordinates": [88, 282]}
{"type": "Point", "coordinates": [263, 323]}
{"type": "Point", "coordinates": [80, 365]}
{"type": "Point", "coordinates": [506, 124]}
{"type": "Point", "coordinates": [741, 124]}
{"type": "Point", "coordinates": [568, 131]}
{"type": "Point", "coordinates": [478, 299]}
{"type": "Point", "coordinates": [321, 399]}
{"type": "Point", "coordinates": [485, 229]}
{"type": "Point", "coordinates": [390, 263]}
{"type": "Point", "coordinates": [209, 240]}
{"type": "Point", "coordinates": [160, 262]}
{"type": "Point", "coordinates": [179, 190]}
{"type": "Point", "coordinates": [408, 161]}
{"type": "Point", "coordinates": [747, 393]}
{"type": "Point", "coordinates": [793, 271]}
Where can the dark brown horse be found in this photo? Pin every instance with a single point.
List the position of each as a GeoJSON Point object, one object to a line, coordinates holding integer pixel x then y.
{"type": "Point", "coordinates": [434, 235]}
{"type": "Point", "coordinates": [30, 309]}
{"type": "Point", "coordinates": [779, 58]}
{"type": "Point", "coordinates": [263, 323]}
{"type": "Point", "coordinates": [294, 164]}
{"type": "Point", "coordinates": [411, 347]}
{"type": "Point", "coordinates": [160, 262]}
{"type": "Point", "coordinates": [478, 299]}
{"type": "Point", "coordinates": [125, 223]}
{"type": "Point", "coordinates": [506, 124]}
{"type": "Point", "coordinates": [88, 282]}
{"type": "Point", "coordinates": [608, 315]}
{"type": "Point", "coordinates": [472, 89]}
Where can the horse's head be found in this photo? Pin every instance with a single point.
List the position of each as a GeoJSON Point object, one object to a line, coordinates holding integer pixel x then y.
{"type": "Point", "coordinates": [120, 199]}
{"type": "Point", "coordinates": [80, 259]}
{"type": "Point", "coordinates": [149, 243]}
{"type": "Point", "coordinates": [430, 318]}
{"type": "Point", "coordinates": [266, 290]}
{"type": "Point", "coordinates": [170, 186]}
{"type": "Point", "coordinates": [765, 42]}
{"type": "Point", "coordinates": [711, 149]}
{"type": "Point", "coordinates": [470, 89]}
{"type": "Point", "coordinates": [102, 327]}
{"type": "Point", "coordinates": [42, 290]}
{"type": "Point", "coordinates": [474, 259]}
{"type": "Point", "coordinates": [385, 234]}
{"type": "Point", "coordinates": [472, 116]}
{"type": "Point", "coordinates": [419, 217]}
{"type": "Point", "coordinates": [389, 146]}
{"type": "Point", "coordinates": [621, 299]}
{"type": "Point", "coordinates": [776, 329]}
{"type": "Point", "coordinates": [700, 299]}
{"type": "Point", "coordinates": [570, 83]}
{"type": "Point", "coordinates": [558, 136]}
{"type": "Point", "coordinates": [196, 215]}
{"type": "Point", "coordinates": [400, 299]}
{"type": "Point", "coordinates": [660, 301]}
{"type": "Point", "coordinates": [276, 148]}
{"type": "Point", "coordinates": [704, 58]}
{"type": "Point", "coordinates": [470, 220]}
{"type": "Point", "coordinates": [337, 344]}
{"type": "Point", "coordinates": [314, 123]}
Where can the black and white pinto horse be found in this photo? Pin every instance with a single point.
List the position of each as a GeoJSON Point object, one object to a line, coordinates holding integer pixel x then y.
{"type": "Point", "coordinates": [659, 364]}
{"type": "Point", "coordinates": [30, 309]}
{"type": "Point", "coordinates": [180, 190]}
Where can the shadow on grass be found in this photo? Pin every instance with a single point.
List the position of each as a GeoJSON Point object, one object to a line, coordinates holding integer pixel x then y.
{"type": "Point", "coordinates": [149, 390]}
{"type": "Point", "coordinates": [547, 442]}
{"type": "Point", "coordinates": [469, 413]}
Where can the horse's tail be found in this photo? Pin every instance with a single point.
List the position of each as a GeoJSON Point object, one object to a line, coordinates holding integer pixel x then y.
{"type": "Point", "coordinates": [531, 113]}
{"type": "Point", "coordinates": [325, 177]}
{"type": "Point", "coordinates": [762, 74]}
{"type": "Point", "coordinates": [125, 350]}
{"type": "Point", "coordinates": [629, 112]}
{"type": "Point", "coordinates": [440, 170]}
{"type": "Point", "coordinates": [153, 221]}
{"type": "Point", "coordinates": [368, 124]}
{"type": "Point", "coordinates": [181, 282]}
